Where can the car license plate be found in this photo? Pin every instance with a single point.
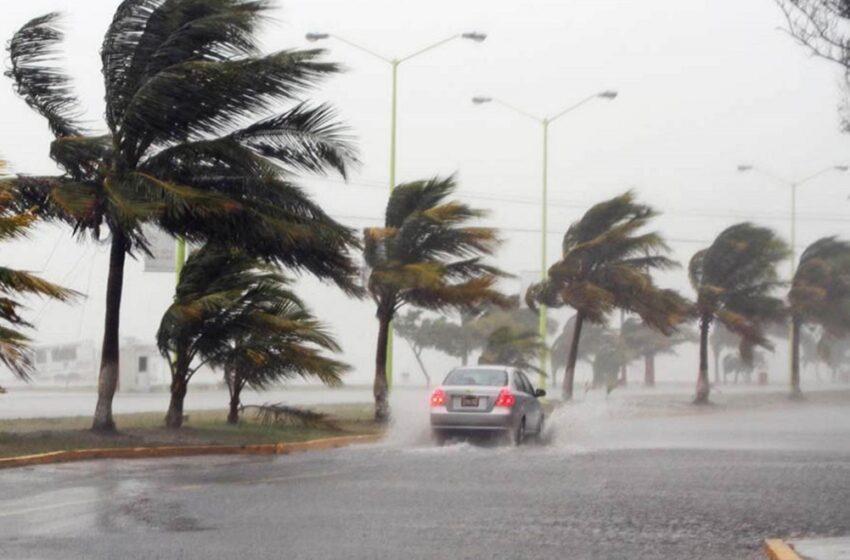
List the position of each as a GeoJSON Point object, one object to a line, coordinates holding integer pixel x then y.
{"type": "Point", "coordinates": [469, 401]}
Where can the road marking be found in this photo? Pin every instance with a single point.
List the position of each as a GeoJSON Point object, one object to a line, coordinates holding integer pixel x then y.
{"type": "Point", "coordinates": [47, 507]}
{"type": "Point", "coordinates": [185, 488]}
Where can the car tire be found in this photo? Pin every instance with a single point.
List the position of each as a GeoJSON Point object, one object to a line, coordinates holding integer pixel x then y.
{"type": "Point", "coordinates": [438, 437]}
{"type": "Point", "coordinates": [540, 427]}
{"type": "Point", "coordinates": [518, 435]}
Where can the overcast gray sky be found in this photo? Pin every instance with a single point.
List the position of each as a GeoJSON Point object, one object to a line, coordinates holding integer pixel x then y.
{"type": "Point", "coordinates": [704, 86]}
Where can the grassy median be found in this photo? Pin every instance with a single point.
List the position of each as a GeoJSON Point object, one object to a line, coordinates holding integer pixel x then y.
{"type": "Point", "coordinates": [208, 427]}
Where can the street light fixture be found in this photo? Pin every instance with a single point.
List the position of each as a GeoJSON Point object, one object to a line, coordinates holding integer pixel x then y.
{"type": "Point", "coordinates": [744, 168]}
{"type": "Point", "coordinates": [394, 63]}
{"type": "Point", "coordinates": [609, 95]}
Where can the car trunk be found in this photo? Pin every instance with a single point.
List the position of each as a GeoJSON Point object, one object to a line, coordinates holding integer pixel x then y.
{"type": "Point", "coordinates": [470, 398]}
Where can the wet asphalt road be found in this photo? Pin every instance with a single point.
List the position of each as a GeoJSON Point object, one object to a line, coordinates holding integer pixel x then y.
{"type": "Point", "coordinates": [676, 488]}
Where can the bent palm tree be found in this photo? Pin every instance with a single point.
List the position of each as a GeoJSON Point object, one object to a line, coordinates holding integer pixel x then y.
{"type": "Point", "coordinates": [182, 77]}
{"type": "Point", "coordinates": [819, 295]}
{"type": "Point", "coordinates": [235, 312]}
{"type": "Point", "coordinates": [14, 352]}
{"type": "Point", "coordinates": [426, 257]}
{"type": "Point", "coordinates": [734, 279]}
{"type": "Point", "coordinates": [605, 265]}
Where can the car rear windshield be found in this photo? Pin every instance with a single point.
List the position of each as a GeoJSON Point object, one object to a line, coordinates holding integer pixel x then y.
{"type": "Point", "coordinates": [485, 377]}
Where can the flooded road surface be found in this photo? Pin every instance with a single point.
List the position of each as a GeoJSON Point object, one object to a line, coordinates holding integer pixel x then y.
{"type": "Point", "coordinates": [611, 483]}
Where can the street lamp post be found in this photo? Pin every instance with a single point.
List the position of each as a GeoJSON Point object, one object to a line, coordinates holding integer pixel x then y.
{"type": "Point", "coordinates": [794, 185]}
{"type": "Point", "coordinates": [544, 218]}
{"type": "Point", "coordinates": [394, 64]}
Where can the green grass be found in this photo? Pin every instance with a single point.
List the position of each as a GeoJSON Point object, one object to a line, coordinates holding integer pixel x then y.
{"type": "Point", "coordinates": [41, 435]}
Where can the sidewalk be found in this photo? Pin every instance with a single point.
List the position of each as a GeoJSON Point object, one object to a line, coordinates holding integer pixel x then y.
{"type": "Point", "coordinates": [837, 548]}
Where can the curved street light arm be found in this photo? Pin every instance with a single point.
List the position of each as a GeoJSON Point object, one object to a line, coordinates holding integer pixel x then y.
{"type": "Point", "coordinates": [429, 47]}
{"type": "Point", "coordinates": [516, 109]}
{"type": "Point", "coordinates": [362, 48]}
{"type": "Point", "coordinates": [573, 107]}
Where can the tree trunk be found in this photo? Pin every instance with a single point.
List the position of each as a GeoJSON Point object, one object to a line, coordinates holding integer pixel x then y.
{"type": "Point", "coordinates": [703, 388]}
{"type": "Point", "coordinates": [716, 352]}
{"type": "Point", "coordinates": [380, 389]}
{"type": "Point", "coordinates": [569, 374]}
{"type": "Point", "coordinates": [418, 353]}
{"type": "Point", "coordinates": [107, 382]}
{"type": "Point", "coordinates": [649, 370]}
{"type": "Point", "coordinates": [624, 375]}
{"type": "Point", "coordinates": [179, 386]}
{"type": "Point", "coordinates": [174, 417]}
{"type": "Point", "coordinates": [795, 393]}
{"type": "Point", "coordinates": [235, 385]}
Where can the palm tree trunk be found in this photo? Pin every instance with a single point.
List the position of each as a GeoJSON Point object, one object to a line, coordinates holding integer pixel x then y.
{"type": "Point", "coordinates": [235, 385]}
{"type": "Point", "coordinates": [796, 393]}
{"type": "Point", "coordinates": [107, 382]}
{"type": "Point", "coordinates": [569, 374]}
{"type": "Point", "coordinates": [179, 387]}
{"type": "Point", "coordinates": [624, 372]}
{"type": "Point", "coordinates": [649, 370]}
{"type": "Point", "coordinates": [703, 387]}
{"type": "Point", "coordinates": [380, 389]}
{"type": "Point", "coordinates": [716, 352]}
{"type": "Point", "coordinates": [418, 353]}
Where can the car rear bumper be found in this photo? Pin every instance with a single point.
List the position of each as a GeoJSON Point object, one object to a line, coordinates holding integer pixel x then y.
{"type": "Point", "coordinates": [442, 419]}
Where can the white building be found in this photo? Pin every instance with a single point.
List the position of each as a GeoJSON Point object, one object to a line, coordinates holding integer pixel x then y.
{"type": "Point", "coordinates": [76, 364]}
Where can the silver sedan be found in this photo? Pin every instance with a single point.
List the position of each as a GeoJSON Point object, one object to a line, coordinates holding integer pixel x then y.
{"type": "Point", "coordinates": [486, 399]}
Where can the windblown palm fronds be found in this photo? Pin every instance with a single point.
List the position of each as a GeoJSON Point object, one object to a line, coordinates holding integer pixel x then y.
{"type": "Point", "coordinates": [425, 256]}
{"type": "Point", "coordinates": [194, 142]}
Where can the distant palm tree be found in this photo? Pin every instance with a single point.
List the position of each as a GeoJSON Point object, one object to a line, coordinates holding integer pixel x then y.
{"type": "Point", "coordinates": [605, 265]}
{"type": "Point", "coordinates": [513, 346]}
{"type": "Point", "coordinates": [235, 312]}
{"type": "Point", "coordinates": [734, 280]}
{"type": "Point", "coordinates": [645, 342]}
{"type": "Point", "coordinates": [819, 295]}
{"type": "Point", "coordinates": [14, 350]}
{"type": "Point", "coordinates": [719, 340]}
{"type": "Point", "coordinates": [425, 256]}
{"type": "Point", "coordinates": [182, 79]}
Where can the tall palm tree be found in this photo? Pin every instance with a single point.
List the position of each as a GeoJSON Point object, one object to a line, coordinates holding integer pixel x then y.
{"type": "Point", "coordinates": [235, 312]}
{"type": "Point", "coordinates": [734, 280]}
{"type": "Point", "coordinates": [819, 295]}
{"type": "Point", "coordinates": [606, 264]}
{"type": "Point", "coordinates": [426, 256]}
{"type": "Point", "coordinates": [182, 77]}
{"type": "Point", "coordinates": [14, 351]}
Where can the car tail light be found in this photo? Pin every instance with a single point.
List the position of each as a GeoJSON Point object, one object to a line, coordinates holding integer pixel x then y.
{"type": "Point", "coordinates": [438, 397]}
{"type": "Point", "coordinates": [505, 398]}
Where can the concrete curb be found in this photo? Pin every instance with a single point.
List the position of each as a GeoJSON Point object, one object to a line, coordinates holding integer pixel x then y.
{"type": "Point", "coordinates": [777, 549]}
{"type": "Point", "coordinates": [66, 456]}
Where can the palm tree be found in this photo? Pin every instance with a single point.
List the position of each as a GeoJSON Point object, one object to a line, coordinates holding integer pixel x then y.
{"type": "Point", "coordinates": [593, 338]}
{"type": "Point", "coordinates": [419, 334]}
{"type": "Point", "coordinates": [720, 339]}
{"type": "Point", "coordinates": [646, 342]}
{"type": "Point", "coordinates": [182, 77]}
{"type": "Point", "coordinates": [734, 279]}
{"type": "Point", "coordinates": [513, 346]}
{"type": "Point", "coordinates": [819, 295]}
{"type": "Point", "coordinates": [425, 256]}
{"type": "Point", "coordinates": [605, 265]}
{"type": "Point", "coordinates": [14, 350]}
{"type": "Point", "coordinates": [234, 311]}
